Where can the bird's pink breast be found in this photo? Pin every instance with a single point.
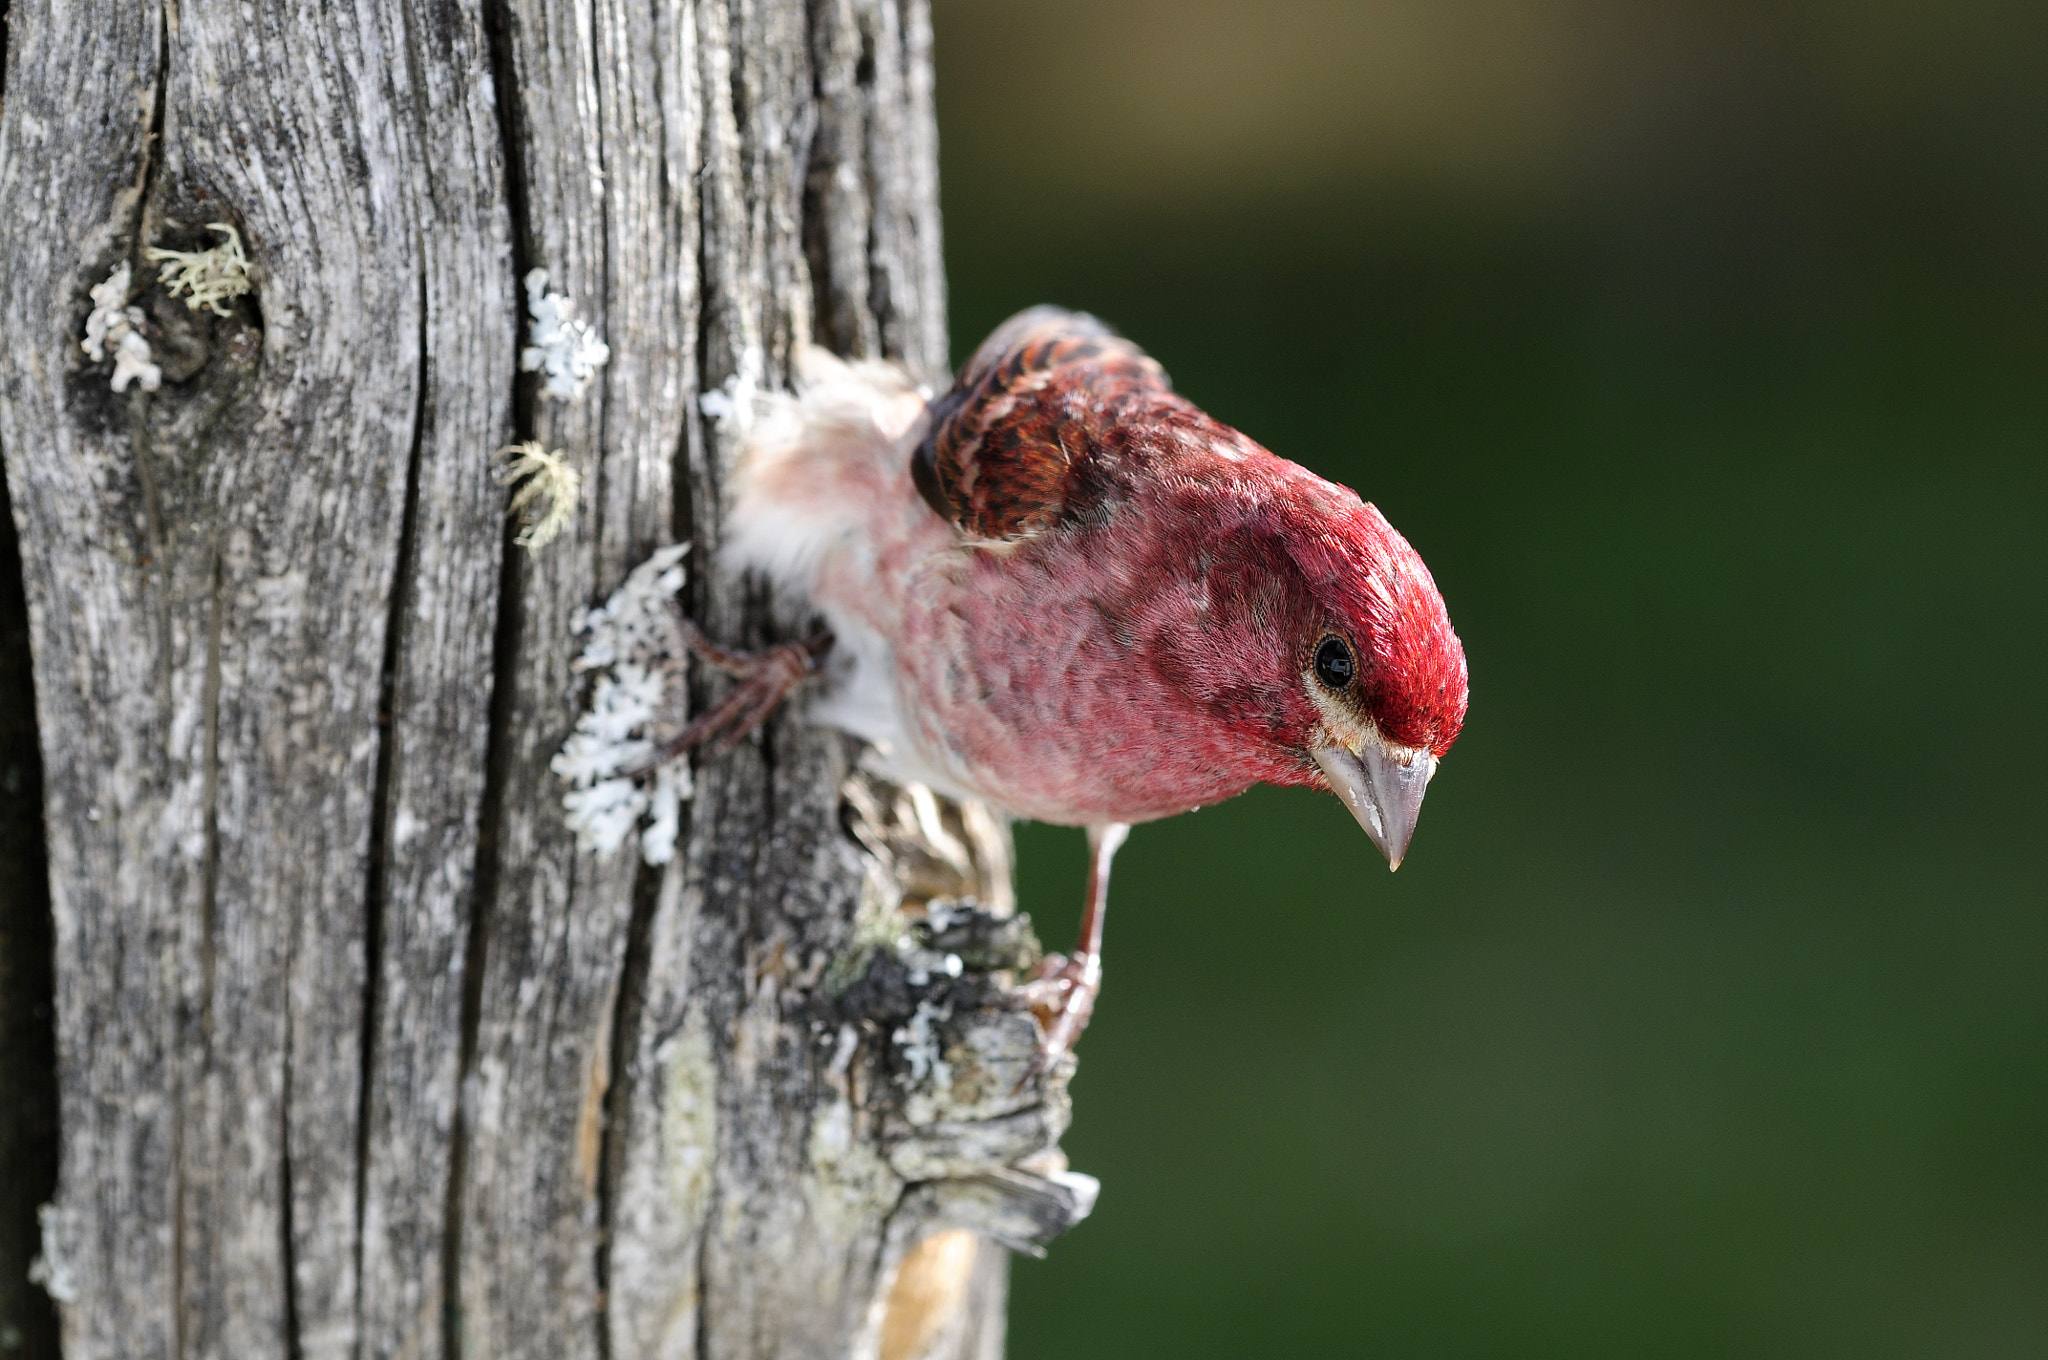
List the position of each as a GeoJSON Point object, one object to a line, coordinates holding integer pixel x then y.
{"type": "Point", "coordinates": [1024, 673]}
{"type": "Point", "coordinates": [1021, 676]}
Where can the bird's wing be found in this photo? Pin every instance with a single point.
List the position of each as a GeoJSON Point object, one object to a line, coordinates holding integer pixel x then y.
{"type": "Point", "coordinates": [1008, 450]}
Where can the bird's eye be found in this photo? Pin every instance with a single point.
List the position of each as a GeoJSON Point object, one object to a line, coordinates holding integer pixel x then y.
{"type": "Point", "coordinates": [1334, 666]}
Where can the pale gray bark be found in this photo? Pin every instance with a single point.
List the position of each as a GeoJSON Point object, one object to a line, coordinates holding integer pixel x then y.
{"type": "Point", "coordinates": [356, 1053]}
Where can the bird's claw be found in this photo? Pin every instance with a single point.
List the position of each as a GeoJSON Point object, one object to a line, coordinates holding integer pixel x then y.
{"type": "Point", "coordinates": [765, 677]}
{"type": "Point", "coordinates": [1061, 992]}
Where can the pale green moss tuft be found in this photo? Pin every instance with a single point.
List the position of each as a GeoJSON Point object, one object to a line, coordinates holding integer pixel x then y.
{"type": "Point", "coordinates": [547, 491]}
{"type": "Point", "coordinates": [205, 278]}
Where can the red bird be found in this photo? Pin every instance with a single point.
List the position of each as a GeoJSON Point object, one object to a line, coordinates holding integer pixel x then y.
{"type": "Point", "coordinates": [1064, 590]}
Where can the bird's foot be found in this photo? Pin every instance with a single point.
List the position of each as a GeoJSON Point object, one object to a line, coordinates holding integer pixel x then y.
{"type": "Point", "coordinates": [1061, 992]}
{"type": "Point", "coordinates": [765, 678]}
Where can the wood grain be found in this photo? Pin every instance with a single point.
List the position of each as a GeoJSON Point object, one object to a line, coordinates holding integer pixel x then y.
{"type": "Point", "coordinates": [357, 1053]}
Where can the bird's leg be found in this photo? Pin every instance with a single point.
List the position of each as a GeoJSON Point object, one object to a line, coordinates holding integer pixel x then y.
{"type": "Point", "coordinates": [765, 678]}
{"type": "Point", "coordinates": [1062, 989]}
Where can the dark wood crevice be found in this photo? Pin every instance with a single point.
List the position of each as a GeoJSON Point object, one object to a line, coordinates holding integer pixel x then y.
{"type": "Point", "coordinates": [197, 1039]}
{"type": "Point", "coordinates": [28, 1032]}
{"type": "Point", "coordinates": [507, 636]}
{"type": "Point", "coordinates": [628, 1009]}
{"type": "Point", "coordinates": [623, 1026]}
{"type": "Point", "coordinates": [476, 943]}
{"type": "Point", "coordinates": [842, 73]}
{"type": "Point", "coordinates": [287, 1226]}
{"type": "Point", "coordinates": [155, 558]}
{"type": "Point", "coordinates": [598, 498]}
{"type": "Point", "coordinates": [377, 890]}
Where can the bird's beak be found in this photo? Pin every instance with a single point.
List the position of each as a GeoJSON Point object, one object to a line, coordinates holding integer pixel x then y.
{"type": "Point", "coordinates": [1382, 789]}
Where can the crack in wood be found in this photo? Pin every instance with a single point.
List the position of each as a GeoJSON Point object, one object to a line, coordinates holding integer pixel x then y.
{"type": "Point", "coordinates": [209, 927]}
{"type": "Point", "coordinates": [288, 1246]}
{"type": "Point", "coordinates": [376, 892]}
{"type": "Point", "coordinates": [28, 1040]}
{"type": "Point", "coordinates": [504, 666]}
{"type": "Point", "coordinates": [504, 79]}
{"type": "Point", "coordinates": [155, 557]}
{"type": "Point", "coordinates": [606, 377]}
{"type": "Point", "coordinates": [627, 1011]}
{"type": "Point", "coordinates": [507, 635]}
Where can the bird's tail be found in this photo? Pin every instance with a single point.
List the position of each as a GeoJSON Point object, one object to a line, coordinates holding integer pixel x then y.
{"type": "Point", "coordinates": [819, 466]}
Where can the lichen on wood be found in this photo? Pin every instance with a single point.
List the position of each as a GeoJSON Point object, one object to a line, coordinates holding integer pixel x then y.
{"type": "Point", "coordinates": [359, 1052]}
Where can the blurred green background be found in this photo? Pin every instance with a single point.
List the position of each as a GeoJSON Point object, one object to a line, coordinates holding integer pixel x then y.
{"type": "Point", "coordinates": [1702, 350]}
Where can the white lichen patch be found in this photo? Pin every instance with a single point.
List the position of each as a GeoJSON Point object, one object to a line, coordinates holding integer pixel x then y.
{"type": "Point", "coordinates": [736, 401]}
{"type": "Point", "coordinates": [547, 491]}
{"type": "Point", "coordinates": [52, 1267]}
{"type": "Point", "coordinates": [922, 965]}
{"type": "Point", "coordinates": [565, 349]}
{"type": "Point", "coordinates": [923, 1045]}
{"type": "Point", "coordinates": [665, 812]}
{"type": "Point", "coordinates": [114, 328]}
{"type": "Point", "coordinates": [634, 645]}
{"type": "Point", "coordinates": [205, 278]}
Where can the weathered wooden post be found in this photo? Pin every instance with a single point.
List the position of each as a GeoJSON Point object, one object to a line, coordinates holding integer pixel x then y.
{"type": "Point", "coordinates": [356, 1052]}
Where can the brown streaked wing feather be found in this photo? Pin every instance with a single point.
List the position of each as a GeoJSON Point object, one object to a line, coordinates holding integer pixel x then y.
{"type": "Point", "coordinates": [1006, 446]}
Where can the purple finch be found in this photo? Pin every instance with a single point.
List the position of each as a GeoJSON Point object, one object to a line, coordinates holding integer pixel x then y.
{"type": "Point", "coordinates": [1064, 590]}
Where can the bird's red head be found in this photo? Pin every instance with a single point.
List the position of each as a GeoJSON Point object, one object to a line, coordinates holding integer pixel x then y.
{"type": "Point", "coordinates": [1363, 673]}
{"type": "Point", "coordinates": [1383, 669]}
